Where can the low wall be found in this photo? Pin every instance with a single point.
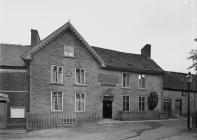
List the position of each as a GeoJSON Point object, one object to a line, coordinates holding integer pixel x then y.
{"type": "Point", "coordinates": [148, 115]}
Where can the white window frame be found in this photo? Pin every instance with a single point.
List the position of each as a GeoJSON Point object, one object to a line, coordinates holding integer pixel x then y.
{"type": "Point", "coordinates": [76, 82]}
{"type": "Point", "coordinates": [76, 103]}
{"type": "Point", "coordinates": [140, 101]}
{"type": "Point", "coordinates": [141, 75]}
{"type": "Point", "coordinates": [69, 46]}
{"type": "Point", "coordinates": [52, 101]}
{"type": "Point", "coordinates": [123, 103]}
{"type": "Point", "coordinates": [52, 80]}
{"type": "Point", "coordinates": [126, 86]}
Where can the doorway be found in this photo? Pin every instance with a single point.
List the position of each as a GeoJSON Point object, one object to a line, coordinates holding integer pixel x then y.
{"type": "Point", "coordinates": [107, 109]}
{"type": "Point", "coordinates": [3, 114]}
{"type": "Point", "coordinates": [167, 106]}
{"type": "Point", "coordinates": [178, 107]}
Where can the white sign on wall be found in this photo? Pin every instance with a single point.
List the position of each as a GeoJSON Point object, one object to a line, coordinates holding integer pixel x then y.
{"type": "Point", "coordinates": [17, 112]}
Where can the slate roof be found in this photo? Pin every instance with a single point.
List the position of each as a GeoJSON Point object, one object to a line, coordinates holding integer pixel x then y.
{"type": "Point", "coordinates": [177, 81]}
{"type": "Point", "coordinates": [10, 54]}
{"type": "Point", "coordinates": [128, 62]}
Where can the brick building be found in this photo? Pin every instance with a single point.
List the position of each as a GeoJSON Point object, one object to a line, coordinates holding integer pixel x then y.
{"type": "Point", "coordinates": [63, 73]}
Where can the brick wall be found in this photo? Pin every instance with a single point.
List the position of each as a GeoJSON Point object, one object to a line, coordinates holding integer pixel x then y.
{"type": "Point", "coordinates": [52, 54]}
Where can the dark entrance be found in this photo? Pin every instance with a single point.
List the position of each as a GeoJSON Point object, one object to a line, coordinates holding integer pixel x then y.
{"type": "Point", "coordinates": [178, 107]}
{"type": "Point", "coordinates": [167, 106]}
{"type": "Point", "coordinates": [107, 109]}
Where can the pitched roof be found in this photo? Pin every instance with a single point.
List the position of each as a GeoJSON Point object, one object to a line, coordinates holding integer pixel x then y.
{"type": "Point", "coordinates": [177, 81]}
{"type": "Point", "coordinates": [128, 62]}
{"type": "Point", "coordinates": [67, 26]}
{"type": "Point", "coordinates": [10, 54]}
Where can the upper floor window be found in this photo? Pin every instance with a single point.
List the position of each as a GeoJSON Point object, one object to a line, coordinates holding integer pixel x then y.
{"type": "Point", "coordinates": [141, 103]}
{"type": "Point", "coordinates": [141, 81]}
{"type": "Point", "coordinates": [126, 103]}
{"type": "Point", "coordinates": [56, 74]}
{"type": "Point", "coordinates": [80, 102]}
{"type": "Point", "coordinates": [69, 50]}
{"type": "Point", "coordinates": [56, 101]}
{"type": "Point", "coordinates": [80, 76]}
{"type": "Point", "coordinates": [125, 80]}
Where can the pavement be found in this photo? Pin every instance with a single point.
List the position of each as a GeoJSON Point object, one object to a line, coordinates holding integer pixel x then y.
{"type": "Point", "coordinates": [172, 129]}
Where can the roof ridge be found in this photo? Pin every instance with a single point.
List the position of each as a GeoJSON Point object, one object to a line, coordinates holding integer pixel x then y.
{"type": "Point", "coordinates": [119, 51]}
{"type": "Point", "coordinates": [175, 72]}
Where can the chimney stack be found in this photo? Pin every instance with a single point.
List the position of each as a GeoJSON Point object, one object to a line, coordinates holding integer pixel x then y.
{"type": "Point", "coordinates": [35, 38]}
{"type": "Point", "coordinates": [146, 51]}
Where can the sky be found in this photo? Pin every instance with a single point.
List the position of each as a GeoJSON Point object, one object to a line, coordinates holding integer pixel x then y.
{"type": "Point", "coordinates": [170, 26]}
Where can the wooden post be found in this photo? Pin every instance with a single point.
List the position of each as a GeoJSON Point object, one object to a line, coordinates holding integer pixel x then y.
{"type": "Point", "coordinates": [27, 121]}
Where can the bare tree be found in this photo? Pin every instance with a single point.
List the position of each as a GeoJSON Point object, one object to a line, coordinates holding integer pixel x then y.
{"type": "Point", "coordinates": [193, 57]}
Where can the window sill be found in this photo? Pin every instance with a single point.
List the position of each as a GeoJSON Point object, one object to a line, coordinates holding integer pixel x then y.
{"type": "Point", "coordinates": [80, 85]}
{"type": "Point", "coordinates": [58, 84]}
{"type": "Point", "coordinates": [56, 110]}
{"type": "Point", "coordinates": [142, 89]}
{"type": "Point", "coordinates": [72, 57]}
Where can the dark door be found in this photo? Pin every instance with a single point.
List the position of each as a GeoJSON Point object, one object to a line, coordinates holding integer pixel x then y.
{"type": "Point", "coordinates": [167, 106]}
{"type": "Point", "coordinates": [178, 107]}
{"type": "Point", "coordinates": [107, 109]}
{"type": "Point", "coordinates": [3, 114]}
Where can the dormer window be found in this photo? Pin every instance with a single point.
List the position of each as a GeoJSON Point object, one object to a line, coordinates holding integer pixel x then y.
{"type": "Point", "coordinates": [69, 50]}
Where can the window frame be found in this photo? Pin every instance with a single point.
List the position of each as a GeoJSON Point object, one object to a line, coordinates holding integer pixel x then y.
{"type": "Point", "coordinates": [142, 75]}
{"type": "Point", "coordinates": [128, 86]}
{"type": "Point", "coordinates": [83, 102]}
{"type": "Point", "coordinates": [140, 103]}
{"type": "Point", "coordinates": [76, 82]}
{"type": "Point", "coordinates": [123, 103]}
{"type": "Point", "coordinates": [69, 46]}
{"type": "Point", "coordinates": [52, 101]}
{"type": "Point", "coordinates": [52, 80]}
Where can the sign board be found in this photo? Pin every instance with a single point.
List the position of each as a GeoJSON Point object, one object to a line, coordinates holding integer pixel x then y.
{"type": "Point", "coordinates": [17, 112]}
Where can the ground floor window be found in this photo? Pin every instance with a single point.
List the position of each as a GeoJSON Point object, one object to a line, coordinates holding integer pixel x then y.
{"type": "Point", "coordinates": [126, 103]}
{"type": "Point", "coordinates": [56, 101]}
{"type": "Point", "coordinates": [80, 102]}
{"type": "Point", "coordinates": [141, 103]}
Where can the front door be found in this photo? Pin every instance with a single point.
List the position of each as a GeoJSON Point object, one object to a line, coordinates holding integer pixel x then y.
{"type": "Point", "coordinates": [3, 114]}
{"type": "Point", "coordinates": [178, 108]}
{"type": "Point", "coordinates": [107, 109]}
{"type": "Point", "coordinates": [167, 106]}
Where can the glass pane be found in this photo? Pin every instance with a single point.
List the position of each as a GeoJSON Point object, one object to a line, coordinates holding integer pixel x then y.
{"type": "Point", "coordinates": [77, 75]}
{"type": "Point", "coordinates": [82, 76]}
{"type": "Point", "coordinates": [127, 80]}
{"type": "Point", "coordinates": [59, 104]}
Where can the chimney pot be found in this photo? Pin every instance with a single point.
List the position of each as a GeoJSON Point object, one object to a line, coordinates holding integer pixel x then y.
{"type": "Point", "coordinates": [35, 38]}
{"type": "Point", "coordinates": [146, 51]}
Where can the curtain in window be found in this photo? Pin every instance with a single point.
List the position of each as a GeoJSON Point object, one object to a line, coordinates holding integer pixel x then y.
{"type": "Point", "coordinates": [60, 75]}
{"type": "Point", "coordinates": [54, 74]}
{"type": "Point", "coordinates": [57, 101]}
{"type": "Point", "coordinates": [80, 102]}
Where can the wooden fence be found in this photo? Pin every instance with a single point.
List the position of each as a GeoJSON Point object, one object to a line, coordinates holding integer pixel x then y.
{"type": "Point", "coordinates": [58, 119]}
